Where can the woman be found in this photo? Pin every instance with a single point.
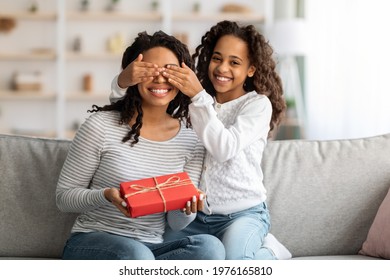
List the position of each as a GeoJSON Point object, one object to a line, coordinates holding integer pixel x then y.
{"type": "Point", "coordinates": [144, 135]}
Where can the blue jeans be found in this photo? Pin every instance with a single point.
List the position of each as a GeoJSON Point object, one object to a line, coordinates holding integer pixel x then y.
{"type": "Point", "coordinates": [107, 246]}
{"type": "Point", "coordinates": [241, 233]}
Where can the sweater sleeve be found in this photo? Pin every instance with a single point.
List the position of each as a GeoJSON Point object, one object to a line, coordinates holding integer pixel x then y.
{"type": "Point", "coordinates": [73, 192]}
{"type": "Point", "coordinates": [117, 93]}
{"type": "Point", "coordinates": [224, 143]}
{"type": "Point", "coordinates": [176, 219]}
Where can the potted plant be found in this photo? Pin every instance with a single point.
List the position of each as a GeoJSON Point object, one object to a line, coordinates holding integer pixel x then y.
{"type": "Point", "coordinates": [113, 5]}
{"type": "Point", "coordinates": [154, 5]}
{"type": "Point", "coordinates": [291, 107]}
{"type": "Point", "coordinates": [84, 5]}
{"type": "Point", "coordinates": [33, 7]}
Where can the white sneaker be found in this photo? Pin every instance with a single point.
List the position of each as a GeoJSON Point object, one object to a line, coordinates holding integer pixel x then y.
{"type": "Point", "coordinates": [280, 252]}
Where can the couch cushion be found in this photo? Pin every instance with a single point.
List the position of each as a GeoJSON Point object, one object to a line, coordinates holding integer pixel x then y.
{"type": "Point", "coordinates": [30, 223]}
{"type": "Point", "coordinates": [323, 195]}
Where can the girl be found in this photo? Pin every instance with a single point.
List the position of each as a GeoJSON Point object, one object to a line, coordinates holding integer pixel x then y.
{"type": "Point", "coordinates": [233, 115]}
{"type": "Point", "coordinates": [236, 102]}
{"type": "Point", "coordinates": [144, 135]}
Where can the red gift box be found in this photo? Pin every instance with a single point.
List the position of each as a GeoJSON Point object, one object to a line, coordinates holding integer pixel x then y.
{"type": "Point", "coordinates": [158, 194]}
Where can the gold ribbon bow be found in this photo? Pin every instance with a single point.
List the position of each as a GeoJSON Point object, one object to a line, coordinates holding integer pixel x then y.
{"type": "Point", "coordinates": [171, 182]}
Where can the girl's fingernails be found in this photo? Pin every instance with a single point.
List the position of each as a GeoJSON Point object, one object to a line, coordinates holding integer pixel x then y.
{"type": "Point", "coordinates": [124, 204]}
{"type": "Point", "coordinates": [188, 208]}
{"type": "Point", "coordinates": [201, 202]}
{"type": "Point", "coordinates": [193, 205]}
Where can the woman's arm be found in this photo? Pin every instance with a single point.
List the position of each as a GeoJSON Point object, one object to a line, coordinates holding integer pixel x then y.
{"type": "Point", "coordinates": [73, 193]}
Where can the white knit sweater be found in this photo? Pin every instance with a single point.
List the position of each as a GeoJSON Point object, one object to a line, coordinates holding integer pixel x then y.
{"type": "Point", "coordinates": [234, 134]}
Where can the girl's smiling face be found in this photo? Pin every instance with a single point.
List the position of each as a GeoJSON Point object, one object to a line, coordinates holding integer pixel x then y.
{"type": "Point", "coordinates": [229, 67]}
{"type": "Point", "coordinates": [158, 92]}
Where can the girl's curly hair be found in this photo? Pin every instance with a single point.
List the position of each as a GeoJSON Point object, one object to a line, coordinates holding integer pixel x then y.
{"type": "Point", "coordinates": [265, 80]}
{"type": "Point", "coordinates": [131, 104]}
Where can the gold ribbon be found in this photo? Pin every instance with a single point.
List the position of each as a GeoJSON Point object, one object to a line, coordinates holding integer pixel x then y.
{"type": "Point", "coordinates": [171, 182]}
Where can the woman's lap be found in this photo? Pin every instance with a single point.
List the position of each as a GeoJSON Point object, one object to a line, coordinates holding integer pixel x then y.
{"type": "Point", "coordinates": [107, 246]}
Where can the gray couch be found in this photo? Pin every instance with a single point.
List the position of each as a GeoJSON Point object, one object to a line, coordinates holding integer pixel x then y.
{"type": "Point", "coordinates": [323, 195]}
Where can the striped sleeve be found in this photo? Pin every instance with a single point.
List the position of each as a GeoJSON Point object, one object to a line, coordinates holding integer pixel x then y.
{"type": "Point", "coordinates": [73, 193]}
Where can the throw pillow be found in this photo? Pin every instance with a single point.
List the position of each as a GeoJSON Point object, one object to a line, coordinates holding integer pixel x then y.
{"type": "Point", "coordinates": [377, 243]}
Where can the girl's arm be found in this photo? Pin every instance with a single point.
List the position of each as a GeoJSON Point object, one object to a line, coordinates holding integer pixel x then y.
{"type": "Point", "coordinates": [73, 193]}
{"type": "Point", "coordinates": [136, 72]}
{"type": "Point", "coordinates": [117, 93]}
{"type": "Point", "coordinates": [224, 143]}
{"type": "Point", "coordinates": [178, 220]}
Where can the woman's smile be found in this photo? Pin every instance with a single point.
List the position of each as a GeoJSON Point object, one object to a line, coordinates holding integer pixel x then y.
{"type": "Point", "coordinates": [159, 92]}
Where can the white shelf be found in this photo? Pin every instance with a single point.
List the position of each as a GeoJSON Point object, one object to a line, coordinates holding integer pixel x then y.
{"type": "Point", "coordinates": [13, 95]}
{"type": "Point", "coordinates": [88, 96]}
{"type": "Point", "coordinates": [33, 55]}
{"type": "Point", "coordinates": [94, 56]}
{"type": "Point", "coordinates": [241, 17]}
{"type": "Point", "coordinates": [114, 16]}
{"type": "Point", "coordinates": [51, 16]}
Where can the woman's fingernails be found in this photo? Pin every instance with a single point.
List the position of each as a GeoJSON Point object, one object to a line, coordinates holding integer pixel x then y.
{"type": "Point", "coordinates": [124, 204]}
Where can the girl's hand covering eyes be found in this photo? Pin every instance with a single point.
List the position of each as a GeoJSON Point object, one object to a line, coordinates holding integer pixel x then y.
{"type": "Point", "coordinates": [137, 72]}
{"type": "Point", "coordinates": [183, 78]}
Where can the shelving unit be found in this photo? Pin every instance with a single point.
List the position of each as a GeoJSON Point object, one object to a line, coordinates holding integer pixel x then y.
{"type": "Point", "coordinates": [57, 109]}
{"type": "Point", "coordinates": [114, 16]}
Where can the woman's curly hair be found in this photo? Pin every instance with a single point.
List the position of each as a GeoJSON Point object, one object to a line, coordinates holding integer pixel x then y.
{"type": "Point", "coordinates": [265, 80]}
{"type": "Point", "coordinates": [131, 104]}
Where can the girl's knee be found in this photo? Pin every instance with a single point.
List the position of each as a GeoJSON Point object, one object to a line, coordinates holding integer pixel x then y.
{"type": "Point", "coordinates": [210, 247]}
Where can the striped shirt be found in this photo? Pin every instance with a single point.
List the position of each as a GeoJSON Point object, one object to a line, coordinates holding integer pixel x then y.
{"type": "Point", "coordinates": [98, 159]}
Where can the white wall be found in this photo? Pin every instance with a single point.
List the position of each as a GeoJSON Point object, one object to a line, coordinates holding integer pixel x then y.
{"type": "Point", "coordinates": [348, 93]}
